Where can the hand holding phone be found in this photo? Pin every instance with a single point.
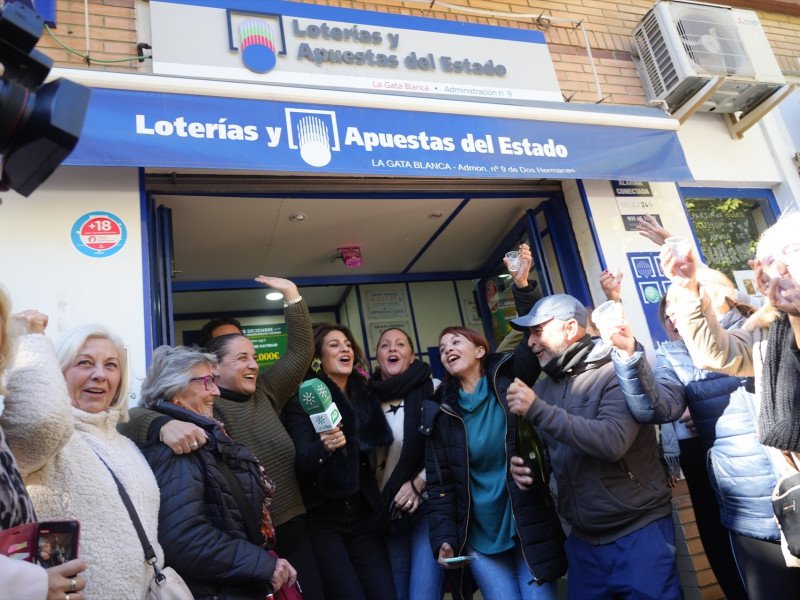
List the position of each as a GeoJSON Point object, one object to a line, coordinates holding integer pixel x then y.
{"type": "Point", "coordinates": [458, 559]}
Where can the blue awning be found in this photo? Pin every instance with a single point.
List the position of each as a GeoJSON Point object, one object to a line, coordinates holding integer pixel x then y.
{"type": "Point", "coordinates": [152, 129]}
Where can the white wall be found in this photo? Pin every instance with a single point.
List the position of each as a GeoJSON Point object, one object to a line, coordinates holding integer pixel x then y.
{"type": "Point", "coordinates": [615, 241]}
{"type": "Point", "coordinates": [42, 269]}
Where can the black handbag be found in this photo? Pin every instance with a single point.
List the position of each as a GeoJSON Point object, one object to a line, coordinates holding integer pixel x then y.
{"type": "Point", "coordinates": [786, 504]}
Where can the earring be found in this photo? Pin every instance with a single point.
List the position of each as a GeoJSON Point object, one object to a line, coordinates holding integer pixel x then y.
{"type": "Point", "coordinates": [316, 364]}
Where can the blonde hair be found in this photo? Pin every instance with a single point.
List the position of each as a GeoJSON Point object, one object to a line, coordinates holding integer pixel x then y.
{"type": "Point", "coordinates": [7, 344]}
{"type": "Point", "coordinates": [718, 286]}
{"type": "Point", "coordinates": [70, 344]}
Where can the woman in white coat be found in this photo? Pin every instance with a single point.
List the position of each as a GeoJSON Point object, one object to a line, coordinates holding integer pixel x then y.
{"type": "Point", "coordinates": [62, 436]}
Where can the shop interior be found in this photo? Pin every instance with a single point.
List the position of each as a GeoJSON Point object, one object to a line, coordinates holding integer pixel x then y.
{"type": "Point", "coordinates": [436, 244]}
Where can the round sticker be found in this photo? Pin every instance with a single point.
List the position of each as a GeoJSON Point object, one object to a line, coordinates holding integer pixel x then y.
{"type": "Point", "coordinates": [99, 234]}
{"type": "Point", "coordinates": [492, 296]}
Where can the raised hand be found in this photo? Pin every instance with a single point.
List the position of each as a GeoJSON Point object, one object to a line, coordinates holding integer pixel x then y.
{"type": "Point", "coordinates": [649, 228]}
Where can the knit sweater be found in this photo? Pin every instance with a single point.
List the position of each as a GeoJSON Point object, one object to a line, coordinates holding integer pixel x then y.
{"type": "Point", "coordinates": [57, 447]}
{"type": "Point", "coordinates": [253, 421]}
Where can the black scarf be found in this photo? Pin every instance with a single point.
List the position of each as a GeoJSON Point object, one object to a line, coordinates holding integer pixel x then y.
{"type": "Point", "coordinates": [560, 366]}
{"type": "Point", "coordinates": [779, 422]}
{"type": "Point", "coordinates": [413, 386]}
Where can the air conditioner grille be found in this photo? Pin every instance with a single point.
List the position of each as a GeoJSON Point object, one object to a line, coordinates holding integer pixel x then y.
{"type": "Point", "coordinates": [712, 42]}
{"type": "Point", "coordinates": [654, 54]}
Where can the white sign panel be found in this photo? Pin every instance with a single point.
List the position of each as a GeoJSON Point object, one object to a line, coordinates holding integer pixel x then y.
{"type": "Point", "coordinates": [286, 43]}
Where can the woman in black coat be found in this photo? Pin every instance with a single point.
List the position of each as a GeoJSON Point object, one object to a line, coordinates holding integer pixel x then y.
{"type": "Point", "coordinates": [214, 523]}
{"type": "Point", "coordinates": [335, 475]}
{"type": "Point", "coordinates": [475, 508]}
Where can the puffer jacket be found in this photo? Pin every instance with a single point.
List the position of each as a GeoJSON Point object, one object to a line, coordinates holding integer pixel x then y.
{"type": "Point", "coordinates": [610, 482]}
{"type": "Point", "coordinates": [723, 408]}
{"type": "Point", "coordinates": [447, 467]}
{"type": "Point", "coordinates": [200, 526]}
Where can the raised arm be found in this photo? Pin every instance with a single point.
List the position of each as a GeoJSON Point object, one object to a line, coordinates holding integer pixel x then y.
{"type": "Point", "coordinates": [282, 379]}
{"type": "Point", "coordinates": [652, 395]}
{"type": "Point", "coordinates": [37, 417]}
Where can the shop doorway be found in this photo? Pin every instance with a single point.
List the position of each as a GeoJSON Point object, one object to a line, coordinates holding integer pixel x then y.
{"type": "Point", "coordinates": [429, 242]}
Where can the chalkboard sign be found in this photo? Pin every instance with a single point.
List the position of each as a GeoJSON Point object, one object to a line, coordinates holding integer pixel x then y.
{"type": "Point", "coordinates": [726, 232]}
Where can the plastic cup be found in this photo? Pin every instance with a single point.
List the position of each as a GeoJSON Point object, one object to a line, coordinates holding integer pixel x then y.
{"type": "Point", "coordinates": [679, 246]}
{"type": "Point", "coordinates": [608, 314]}
{"type": "Point", "coordinates": [616, 272]}
{"type": "Point", "coordinates": [513, 261]}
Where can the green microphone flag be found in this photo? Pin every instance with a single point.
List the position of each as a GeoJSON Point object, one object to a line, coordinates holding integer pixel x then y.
{"type": "Point", "coordinates": [315, 398]}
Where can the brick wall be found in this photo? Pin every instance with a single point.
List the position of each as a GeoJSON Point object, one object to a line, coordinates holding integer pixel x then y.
{"type": "Point", "coordinates": [707, 583]}
{"type": "Point", "coordinates": [112, 34]}
{"type": "Point", "coordinates": [608, 27]}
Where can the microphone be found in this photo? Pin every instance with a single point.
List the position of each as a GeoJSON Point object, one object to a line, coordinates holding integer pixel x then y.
{"type": "Point", "coordinates": [315, 398]}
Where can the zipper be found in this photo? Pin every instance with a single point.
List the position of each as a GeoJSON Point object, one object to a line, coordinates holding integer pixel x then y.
{"type": "Point", "coordinates": [629, 473]}
{"type": "Point", "coordinates": [505, 449]}
{"type": "Point", "coordinates": [449, 411]}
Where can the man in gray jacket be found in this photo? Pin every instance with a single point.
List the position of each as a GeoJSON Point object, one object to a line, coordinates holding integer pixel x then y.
{"type": "Point", "coordinates": [611, 487]}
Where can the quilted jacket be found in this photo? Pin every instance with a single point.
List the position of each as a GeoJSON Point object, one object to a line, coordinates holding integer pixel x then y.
{"type": "Point", "coordinates": [200, 526]}
{"type": "Point", "coordinates": [723, 408]}
{"type": "Point", "coordinates": [447, 467]}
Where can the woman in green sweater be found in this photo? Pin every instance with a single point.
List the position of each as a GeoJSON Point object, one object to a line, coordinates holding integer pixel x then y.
{"type": "Point", "coordinates": [249, 405]}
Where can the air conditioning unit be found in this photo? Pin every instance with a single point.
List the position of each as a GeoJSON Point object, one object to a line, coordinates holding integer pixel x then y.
{"type": "Point", "coordinates": [682, 45]}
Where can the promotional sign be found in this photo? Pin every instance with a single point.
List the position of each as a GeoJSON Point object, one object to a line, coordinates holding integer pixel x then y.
{"type": "Point", "coordinates": [631, 188]}
{"type": "Point", "coordinates": [287, 43]}
{"type": "Point", "coordinates": [145, 129]}
{"type": "Point", "coordinates": [269, 342]}
{"type": "Point", "coordinates": [651, 284]}
{"type": "Point", "coordinates": [99, 234]}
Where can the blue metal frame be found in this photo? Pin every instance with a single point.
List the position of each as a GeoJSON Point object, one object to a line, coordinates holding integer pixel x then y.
{"type": "Point", "coordinates": [147, 266]}
{"type": "Point", "coordinates": [566, 250]}
{"type": "Point", "coordinates": [770, 215]}
{"type": "Point", "coordinates": [592, 227]}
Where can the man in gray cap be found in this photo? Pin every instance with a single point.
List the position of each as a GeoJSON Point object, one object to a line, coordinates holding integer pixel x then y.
{"type": "Point", "coordinates": [611, 487]}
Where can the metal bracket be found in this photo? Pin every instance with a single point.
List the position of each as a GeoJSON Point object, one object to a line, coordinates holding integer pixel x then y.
{"type": "Point", "coordinates": [738, 125]}
{"type": "Point", "coordinates": [694, 103]}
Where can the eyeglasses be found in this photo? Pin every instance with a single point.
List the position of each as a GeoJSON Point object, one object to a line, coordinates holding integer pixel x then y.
{"type": "Point", "coordinates": [207, 379]}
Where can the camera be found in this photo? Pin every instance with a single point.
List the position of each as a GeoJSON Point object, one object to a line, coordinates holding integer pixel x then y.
{"type": "Point", "coordinates": [39, 124]}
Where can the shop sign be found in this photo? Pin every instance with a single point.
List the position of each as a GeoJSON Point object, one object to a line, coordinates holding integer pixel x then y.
{"type": "Point", "coordinates": [99, 234]}
{"type": "Point", "coordinates": [623, 189]}
{"type": "Point", "coordinates": [286, 43]}
{"type": "Point", "coordinates": [146, 129]}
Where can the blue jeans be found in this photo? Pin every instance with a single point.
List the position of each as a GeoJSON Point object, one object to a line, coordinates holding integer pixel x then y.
{"type": "Point", "coordinates": [506, 576]}
{"type": "Point", "coordinates": [417, 573]}
{"type": "Point", "coordinates": [638, 566]}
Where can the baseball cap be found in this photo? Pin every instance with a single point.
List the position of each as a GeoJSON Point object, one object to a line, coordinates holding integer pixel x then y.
{"type": "Point", "coordinates": [558, 306]}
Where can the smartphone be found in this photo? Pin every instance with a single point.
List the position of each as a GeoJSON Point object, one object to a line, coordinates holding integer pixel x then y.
{"type": "Point", "coordinates": [57, 542]}
{"type": "Point", "coordinates": [458, 559]}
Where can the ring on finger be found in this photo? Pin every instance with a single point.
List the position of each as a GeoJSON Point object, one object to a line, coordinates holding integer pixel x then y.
{"type": "Point", "coordinates": [73, 584]}
{"type": "Point", "coordinates": [193, 444]}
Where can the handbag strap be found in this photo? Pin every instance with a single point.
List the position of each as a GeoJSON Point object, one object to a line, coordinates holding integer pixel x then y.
{"type": "Point", "coordinates": [149, 553]}
{"type": "Point", "coordinates": [238, 495]}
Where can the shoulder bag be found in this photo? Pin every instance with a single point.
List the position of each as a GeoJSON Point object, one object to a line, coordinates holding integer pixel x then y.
{"type": "Point", "coordinates": [166, 583]}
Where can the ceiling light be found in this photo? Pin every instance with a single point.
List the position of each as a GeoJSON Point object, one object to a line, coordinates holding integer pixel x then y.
{"type": "Point", "coordinates": [296, 217]}
{"type": "Point", "coordinates": [273, 296]}
{"type": "Point", "coordinates": [436, 215]}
